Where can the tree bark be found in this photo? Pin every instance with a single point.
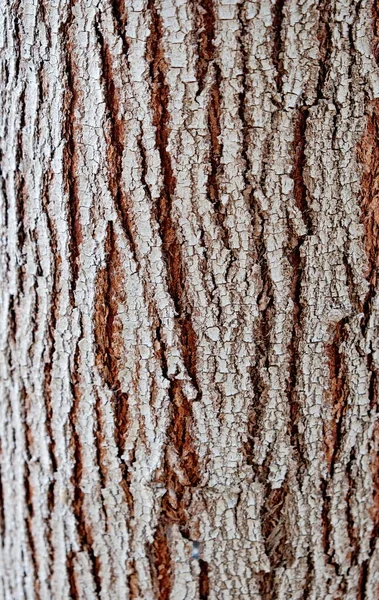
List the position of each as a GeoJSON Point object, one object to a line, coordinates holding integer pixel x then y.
{"type": "Point", "coordinates": [189, 308]}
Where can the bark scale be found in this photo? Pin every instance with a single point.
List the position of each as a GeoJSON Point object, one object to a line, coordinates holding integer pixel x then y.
{"type": "Point", "coordinates": [189, 310]}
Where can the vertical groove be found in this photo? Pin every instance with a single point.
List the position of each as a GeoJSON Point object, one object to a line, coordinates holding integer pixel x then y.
{"type": "Point", "coordinates": [84, 531]}
{"type": "Point", "coordinates": [2, 512]}
{"type": "Point", "coordinates": [29, 493]}
{"type": "Point", "coordinates": [109, 343]}
{"type": "Point", "coordinates": [300, 188]}
{"type": "Point", "coordinates": [49, 354]}
{"type": "Point", "coordinates": [161, 564]}
{"type": "Point", "coordinates": [203, 580]}
{"type": "Point", "coordinates": [277, 46]}
{"type": "Point", "coordinates": [276, 538]}
{"type": "Point", "coordinates": [70, 155]}
{"type": "Point", "coordinates": [205, 34]}
{"type": "Point", "coordinates": [130, 131]}
{"type": "Point", "coordinates": [120, 17]}
{"type": "Point", "coordinates": [74, 593]}
{"type": "Point", "coordinates": [368, 155]}
{"type": "Point", "coordinates": [214, 127]}
{"type": "Point", "coordinates": [297, 263]}
{"type": "Point", "coordinates": [170, 243]}
{"type": "Point", "coordinates": [324, 36]}
{"type": "Point", "coordinates": [265, 292]}
{"type": "Point", "coordinates": [115, 146]}
{"type": "Point", "coordinates": [339, 390]}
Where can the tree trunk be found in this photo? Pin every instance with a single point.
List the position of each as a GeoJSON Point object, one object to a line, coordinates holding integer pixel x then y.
{"type": "Point", "coordinates": [189, 329]}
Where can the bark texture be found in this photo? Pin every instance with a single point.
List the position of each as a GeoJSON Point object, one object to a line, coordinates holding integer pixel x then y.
{"type": "Point", "coordinates": [189, 308]}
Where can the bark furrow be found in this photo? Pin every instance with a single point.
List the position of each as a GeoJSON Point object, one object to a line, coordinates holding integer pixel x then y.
{"type": "Point", "coordinates": [189, 314]}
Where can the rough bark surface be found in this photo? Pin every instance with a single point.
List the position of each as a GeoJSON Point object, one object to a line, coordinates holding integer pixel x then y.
{"type": "Point", "coordinates": [189, 319]}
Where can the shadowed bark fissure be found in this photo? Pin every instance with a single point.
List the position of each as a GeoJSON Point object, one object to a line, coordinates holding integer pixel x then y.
{"type": "Point", "coordinates": [70, 132]}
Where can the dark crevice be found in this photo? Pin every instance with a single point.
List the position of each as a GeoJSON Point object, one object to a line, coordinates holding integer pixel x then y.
{"type": "Point", "coordinates": [41, 87]}
{"type": "Point", "coordinates": [350, 521]}
{"type": "Point", "coordinates": [160, 563]}
{"type": "Point", "coordinates": [278, 43]}
{"type": "Point", "coordinates": [374, 510]}
{"type": "Point", "coordinates": [333, 435]}
{"type": "Point", "coordinates": [29, 492]}
{"type": "Point", "coordinates": [276, 537]}
{"type": "Point", "coordinates": [273, 518]}
{"type": "Point", "coordinates": [4, 194]}
{"type": "Point", "coordinates": [205, 34]}
{"type": "Point", "coordinates": [171, 246]}
{"type": "Point", "coordinates": [12, 320]}
{"type": "Point", "coordinates": [114, 342]}
{"type": "Point", "coordinates": [188, 341]}
{"type": "Point", "coordinates": [256, 413]}
{"type": "Point", "coordinates": [205, 26]}
{"type": "Point", "coordinates": [327, 532]}
{"type": "Point", "coordinates": [70, 559]}
{"type": "Point", "coordinates": [70, 153]}
{"type": "Point", "coordinates": [294, 352]}
{"type": "Point", "coordinates": [339, 391]}
{"type": "Point", "coordinates": [17, 37]}
{"type": "Point", "coordinates": [367, 308]}
{"type": "Point", "coordinates": [21, 195]}
{"type": "Point", "coordinates": [265, 299]}
{"type": "Point", "coordinates": [21, 198]}
{"type": "Point", "coordinates": [161, 118]}
{"type": "Point", "coordinates": [2, 512]}
{"type": "Point", "coordinates": [160, 346]}
{"type": "Point", "coordinates": [242, 111]}
{"type": "Point", "coordinates": [115, 138]}
{"type": "Point", "coordinates": [267, 585]}
{"type": "Point", "coordinates": [143, 157]}
{"type": "Point", "coordinates": [175, 503]}
{"type": "Point", "coordinates": [100, 444]}
{"type": "Point", "coordinates": [373, 385]}
{"type": "Point", "coordinates": [5, 71]}
{"type": "Point", "coordinates": [34, 295]}
{"type": "Point", "coordinates": [85, 537]}
{"type": "Point", "coordinates": [203, 580]}
{"type": "Point", "coordinates": [352, 50]}
{"type": "Point", "coordinates": [262, 335]}
{"type": "Point", "coordinates": [180, 479]}
{"type": "Point", "coordinates": [327, 526]}
{"type": "Point", "coordinates": [52, 324]}
{"type": "Point", "coordinates": [309, 577]}
{"type": "Point", "coordinates": [216, 148]}
{"type": "Point", "coordinates": [45, 20]}
{"type": "Point", "coordinates": [362, 581]}
{"type": "Point", "coordinates": [375, 27]}
{"type": "Point", "coordinates": [180, 437]}
{"type": "Point", "coordinates": [133, 584]}
{"type": "Point", "coordinates": [297, 174]}
{"type": "Point", "coordinates": [297, 263]}
{"type": "Point", "coordinates": [120, 18]}
{"type": "Point", "coordinates": [368, 156]}
{"type": "Point", "coordinates": [325, 39]}
{"type": "Point", "coordinates": [29, 528]}
{"type": "Point", "coordinates": [110, 349]}
{"type": "Point", "coordinates": [49, 353]}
